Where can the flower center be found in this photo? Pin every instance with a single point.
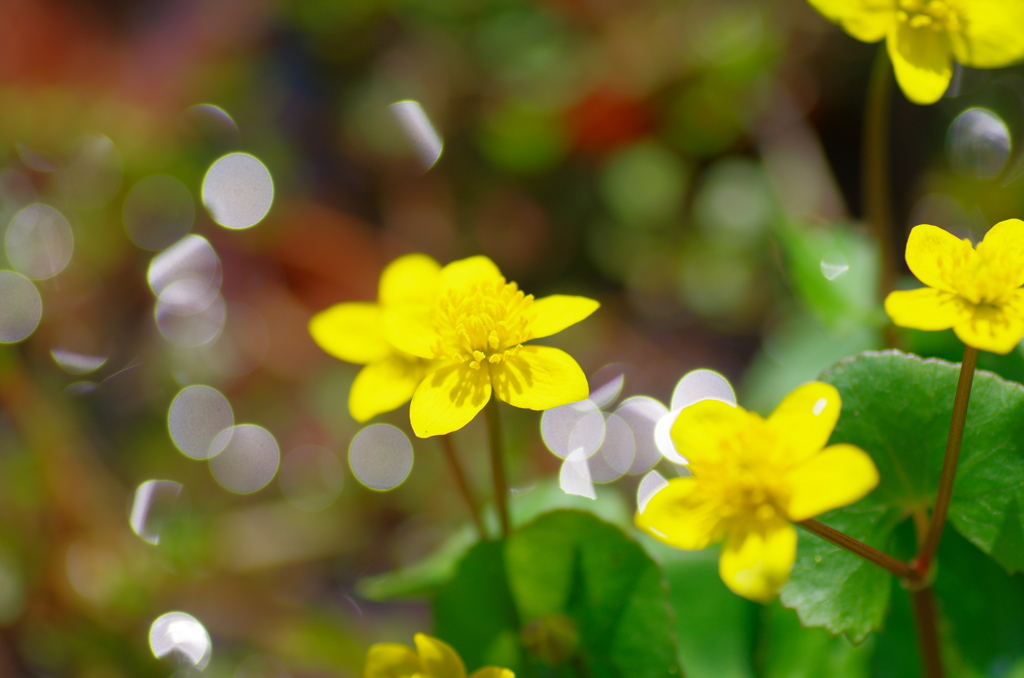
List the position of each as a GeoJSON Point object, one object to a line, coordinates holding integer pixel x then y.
{"type": "Point", "coordinates": [485, 321]}
{"type": "Point", "coordinates": [938, 15]}
{"type": "Point", "coordinates": [985, 276]}
{"type": "Point", "coordinates": [746, 483]}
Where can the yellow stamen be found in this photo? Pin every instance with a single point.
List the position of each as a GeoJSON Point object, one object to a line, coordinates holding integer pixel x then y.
{"type": "Point", "coordinates": [485, 321]}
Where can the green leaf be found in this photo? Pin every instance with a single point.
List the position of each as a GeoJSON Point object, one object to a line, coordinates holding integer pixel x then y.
{"type": "Point", "coordinates": [583, 582]}
{"type": "Point", "coordinates": [897, 408]}
{"type": "Point", "coordinates": [983, 606]}
{"type": "Point", "coordinates": [422, 577]}
{"type": "Point", "coordinates": [714, 626]}
{"type": "Point", "coordinates": [792, 651]}
{"type": "Point", "coordinates": [831, 587]}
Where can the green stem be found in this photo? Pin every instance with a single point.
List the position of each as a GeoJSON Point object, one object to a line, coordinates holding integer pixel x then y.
{"type": "Point", "coordinates": [461, 484]}
{"type": "Point", "coordinates": [498, 463]}
{"type": "Point", "coordinates": [926, 621]}
{"type": "Point", "coordinates": [922, 562]}
{"type": "Point", "coordinates": [877, 201]}
{"type": "Point", "coordinates": [869, 553]}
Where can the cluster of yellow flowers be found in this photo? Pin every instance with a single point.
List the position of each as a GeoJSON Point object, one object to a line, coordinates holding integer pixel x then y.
{"type": "Point", "coordinates": [447, 338]}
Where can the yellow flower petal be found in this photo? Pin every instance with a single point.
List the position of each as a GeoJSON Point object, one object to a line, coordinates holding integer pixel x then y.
{"type": "Point", "coordinates": [539, 378]}
{"type": "Point", "coordinates": [410, 279]}
{"type": "Point", "coordinates": [492, 672]}
{"type": "Point", "coordinates": [757, 558]}
{"type": "Point", "coordinates": [931, 253]}
{"type": "Point", "coordinates": [553, 314]}
{"type": "Point", "coordinates": [837, 476]}
{"type": "Point", "coordinates": [706, 430]}
{"type": "Point", "coordinates": [390, 660]}
{"type": "Point", "coordinates": [991, 329]}
{"type": "Point", "coordinates": [1006, 242]}
{"type": "Point", "coordinates": [680, 516]}
{"type": "Point", "coordinates": [468, 271]}
{"type": "Point", "coordinates": [927, 309]}
{"type": "Point", "coordinates": [448, 399]}
{"type": "Point", "coordinates": [383, 386]}
{"type": "Point", "coordinates": [351, 332]}
{"type": "Point", "coordinates": [991, 34]}
{"type": "Point", "coordinates": [438, 658]}
{"type": "Point", "coordinates": [804, 420]}
{"type": "Point", "coordinates": [866, 20]}
{"type": "Point", "coordinates": [922, 60]}
{"type": "Point", "coordinates": [410, 328]}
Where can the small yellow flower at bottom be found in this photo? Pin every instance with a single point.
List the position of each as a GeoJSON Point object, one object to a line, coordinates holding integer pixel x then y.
{"type": "Point", "coordinates": [751, 478]}
{"type": "Point", "coordinates": [976, 292]}
{"type": "Point", "coordinates": [432, 658]}
{"type": "Point", "coordinates": [352, 331]}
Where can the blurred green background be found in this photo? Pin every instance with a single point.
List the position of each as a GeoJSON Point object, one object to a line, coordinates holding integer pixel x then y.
{"type": "Point", "coordinates": [693, 165]}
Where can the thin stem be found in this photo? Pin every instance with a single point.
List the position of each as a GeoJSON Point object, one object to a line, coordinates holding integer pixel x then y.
{"type": "Point", "coordinates": [869, 553]}
{"type": "Point", "coordinates": [926, 621]}
{"type": "Point", "coordinates": [923, 561]}
{"type": "Point", "coordinates": [920, 517]}
{"type": "Point", "coordinates": [498, 463]}
{"type": "Point", "coordinates": [460, 482]}
{"type": "Point", "coordinates": [877, 201]}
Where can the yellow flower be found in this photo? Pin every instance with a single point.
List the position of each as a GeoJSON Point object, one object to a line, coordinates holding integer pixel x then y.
{"type": "Point", "coordinates": [974, 291]}
{"type": "Point", "coordinates": [475, 330]}
{"type": "Point", "coordinates": [923, 36]}
{"type": "Point", "coordinates": [353, 332]}
{"type": "Point", "coordinates": [432, 658]}
{"type": "Point", "coordinates": [751, 478]}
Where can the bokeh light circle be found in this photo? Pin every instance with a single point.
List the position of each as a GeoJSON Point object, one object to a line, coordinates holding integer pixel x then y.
{"type": "Point", "coordinates": [663, 438]}
{"type": "Point", "coordinates": [77, 363]}
{"type": "Point", "coordinates": [248, 458]}
{"type": "Point", "coordinates": [416, 126]}
{"type": "Point", "coordinates": [641, 414]}
{"type": "Point", "coordinates": [183, 636]}
{"type": "Point", "coordinates": [192, 258]}
{"type": "Point", "coordinates": [574, 476]}
{"type": "Point", "coordinates": [651, 484]}
{"type": "Point", "coordinates": [702, 384]}
{"type": "Point", "coordinates": [39, 241]}
{"type": "Point", "coordinates": [380, 457]}
{"type": "Point", "coordinates": [238, 191]}
{"type": "Point", "coordinates": [978, 144]}
{"type": "Point", "coordinates": [189, 327]}
{"type": "Point", "coordinates": [21, 307]}
{"type": "Point", "coordinates": [558, 424]}
{"type": "Point", "coordinates": [154, 502]}
{"type": "Point", "coordinates": [196, 417]}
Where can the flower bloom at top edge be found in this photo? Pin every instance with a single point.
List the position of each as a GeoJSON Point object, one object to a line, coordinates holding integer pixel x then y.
{"type": "Point", "coordinates": [977, 292]}
{"type": "Point", "coordinates": [432, 658]}
{"type": "Point", "coordinates": [751, 478]}
{"type": "Point", "coordinates": [353, 332]}
{"type": "Point", "coordinates": [475, 330]}
{"type": "Point", "coordinates": [924, 36]}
